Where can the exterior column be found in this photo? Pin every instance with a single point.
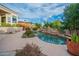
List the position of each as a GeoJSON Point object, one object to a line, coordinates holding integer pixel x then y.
{"type": "Point", "coordinates": [16, 19]}
{"type": "Point", "coordinates": [0, 19]}
{"type": "Point", "coordinates": [6, 18]}
{"type": "Point", "coordinates": [11, 20]}
{"type": "Point", "coordinates": [6, 15]}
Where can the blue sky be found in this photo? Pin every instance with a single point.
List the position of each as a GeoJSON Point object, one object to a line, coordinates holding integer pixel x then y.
{"type": "Point", "coordinates": [38, 12]}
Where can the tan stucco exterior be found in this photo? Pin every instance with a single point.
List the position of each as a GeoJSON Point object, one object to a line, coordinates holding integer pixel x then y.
{"type": "Point", "coordinates": [7, 15]}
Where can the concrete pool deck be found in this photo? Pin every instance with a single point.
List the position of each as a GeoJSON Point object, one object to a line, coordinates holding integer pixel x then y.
{"type": "Point", "coordinates": [10, 42]}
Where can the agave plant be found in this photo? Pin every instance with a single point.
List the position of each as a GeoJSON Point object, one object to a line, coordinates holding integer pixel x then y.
{"type": "Point", "coordinates": [75, 38]}
{"type": "Point", "coordinates": [30, 50]}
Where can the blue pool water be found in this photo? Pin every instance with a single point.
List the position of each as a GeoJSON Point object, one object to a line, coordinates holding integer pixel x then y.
{"type": "Point", "coordinates": [52, 39]}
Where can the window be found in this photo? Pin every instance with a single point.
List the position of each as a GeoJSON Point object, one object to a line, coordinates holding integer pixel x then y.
{"type": "Point", "coordinates": [9, 19]}
{"type": "Point", "coordinates": [14, 19]}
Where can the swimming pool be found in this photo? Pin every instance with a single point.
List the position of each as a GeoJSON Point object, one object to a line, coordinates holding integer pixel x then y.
{"type": "Point", "coordinates": [52, 39]}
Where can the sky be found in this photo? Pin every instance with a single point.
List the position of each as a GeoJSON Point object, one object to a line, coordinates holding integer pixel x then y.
{"type": "Point", "coordinates": [38, 12]}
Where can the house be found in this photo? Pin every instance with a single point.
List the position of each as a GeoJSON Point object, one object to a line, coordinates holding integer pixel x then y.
{"type": "Point", "coordinates": [7, 15]}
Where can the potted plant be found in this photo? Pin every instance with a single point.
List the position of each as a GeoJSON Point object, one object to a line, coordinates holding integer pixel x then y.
{"type": "Point", "coordinates": [73, 44]}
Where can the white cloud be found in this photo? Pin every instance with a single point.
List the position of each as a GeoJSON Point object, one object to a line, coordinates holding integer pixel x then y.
{"type": "Point", "coordinates": [31, 10]}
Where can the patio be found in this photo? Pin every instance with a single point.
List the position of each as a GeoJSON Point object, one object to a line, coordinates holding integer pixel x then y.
{"type": "Point", "coordinates": [11, 42]}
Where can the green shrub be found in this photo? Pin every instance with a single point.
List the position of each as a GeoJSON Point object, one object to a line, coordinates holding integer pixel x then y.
{"type": "Point", "coordinates": [75, 38]}
{"type": "Point", "coordinates": [14, 25]}
{"type": "Point", "coordinates": [3, 24]}
{"type": "Point", "coordinates": [29, 50]}
{"type": "Point", "coordinates": [35, 28]}
{"type": "Point", "coordinates": [28, 33]}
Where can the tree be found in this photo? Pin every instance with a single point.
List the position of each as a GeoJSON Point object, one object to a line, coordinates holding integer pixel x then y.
{"type": "Point", "coordinates": [37, 26]}
{"type": "Point", "coordinates": [54, 24]}
{"type": "Point", "coordinates": [46, 25]}
{"type": "Point", "coordinates": [57, 24]}
{"type": "Point", "coordinates": [71, 20]}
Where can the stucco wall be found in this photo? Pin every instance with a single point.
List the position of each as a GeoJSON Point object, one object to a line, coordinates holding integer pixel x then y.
{"type": "Point", "coordinates": [10, 29]}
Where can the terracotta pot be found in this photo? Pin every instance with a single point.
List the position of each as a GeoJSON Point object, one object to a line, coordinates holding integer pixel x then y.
{"type": "Point", "coordinates": [73, 47]}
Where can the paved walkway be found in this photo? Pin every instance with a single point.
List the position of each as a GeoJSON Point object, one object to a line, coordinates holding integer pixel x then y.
{"type": "Point", "coordinates": [10, 42]}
